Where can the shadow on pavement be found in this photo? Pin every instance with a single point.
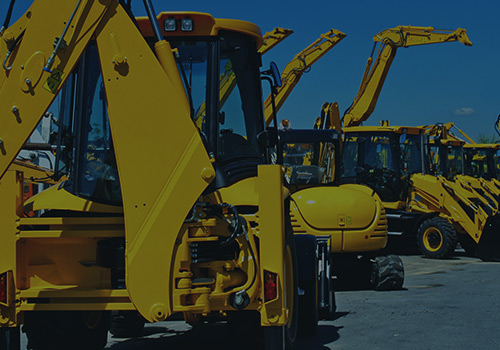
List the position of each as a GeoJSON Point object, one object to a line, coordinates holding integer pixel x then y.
{"type": "Point", "coordinates": [325, 335]}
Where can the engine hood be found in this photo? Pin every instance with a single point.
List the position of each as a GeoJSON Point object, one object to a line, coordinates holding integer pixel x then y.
{"type": "Point", "coordinates": [337, 208]}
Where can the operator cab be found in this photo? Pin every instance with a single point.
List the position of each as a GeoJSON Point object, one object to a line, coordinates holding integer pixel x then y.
{"type": "Point", "coordinates": [447, 158]}
{"type": "Point", "coordinates": [309, 157]}
{"type": "Point", "coordinates": [383, 159]}
{"type": "Point", "coordinates": [219, 65]}
{"type": "Point", "coordinates": [481, 162]}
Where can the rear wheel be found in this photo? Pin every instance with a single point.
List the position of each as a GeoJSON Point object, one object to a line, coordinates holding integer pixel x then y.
{"type": "Point", "coordinates": [387, 273]}
{"type": "Point", "coordinates": [126, 324]}
{"type": "Point", "coordinates": [76, 330]}
{"type": "Point", "coordinates": [308, 284]}
{"type": "Point", "coordinates": [437, 238]}
{"type": "Point", "coordinates": [468, 244]}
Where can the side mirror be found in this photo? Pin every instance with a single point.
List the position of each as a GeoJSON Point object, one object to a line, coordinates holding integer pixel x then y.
{"type": "Point", "coordinates": [274, 73]}
{"type": "Point", "coordinates": [402, 138]}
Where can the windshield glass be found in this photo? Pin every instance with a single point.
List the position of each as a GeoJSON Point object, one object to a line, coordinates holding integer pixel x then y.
{"type": "Point", "coordinates": [454, 157]}
{"type": "Point", "coordinates": [223, 79]}
{"type": "Point", "coordinates": [87, 156]}
{"type": "Point", "coordinates": [480, 162]}
{"type": "Point", "coordinates": [371, 158]}
{"type": "Point", "coordinates": [411, 154]}
{"type": "Point", "coordinates": [364, 152]}
{"type": "Point", "coordinates": [309, 163]}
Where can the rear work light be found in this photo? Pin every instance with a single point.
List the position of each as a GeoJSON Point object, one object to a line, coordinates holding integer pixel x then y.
{"type": "Point", "coordinates": [187, 25]}
{"type": "Point", "coordinates": [170, 25]}
{"type": "Point", "coordinates": [270, 286]}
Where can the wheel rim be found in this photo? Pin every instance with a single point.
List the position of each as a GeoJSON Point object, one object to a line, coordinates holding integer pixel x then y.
{"type": "Point", "coordinates": [289, 280]}
{"type": "Point", "coordinates": [433, 239]}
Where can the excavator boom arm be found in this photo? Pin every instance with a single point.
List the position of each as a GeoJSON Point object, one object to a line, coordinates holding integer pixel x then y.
{"type": "Point", "coordinates": [376, 70]}
{"type": "Point", "coordinates": [300, 64]}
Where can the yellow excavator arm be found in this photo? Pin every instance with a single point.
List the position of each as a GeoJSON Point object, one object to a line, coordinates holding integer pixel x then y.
{"type": "Point", "coordinates": [388, 42]}
{"type": "Point", "coordinates": [300, 64]}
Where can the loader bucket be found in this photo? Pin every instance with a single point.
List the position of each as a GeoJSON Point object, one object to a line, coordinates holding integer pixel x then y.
{"type": "Point", "coordinates": [488, 248]}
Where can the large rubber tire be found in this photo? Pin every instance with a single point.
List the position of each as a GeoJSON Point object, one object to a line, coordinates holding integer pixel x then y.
{"type": "Point", "coordinates": [10, 338]}
{"type": "Point", "coordinates": [468, 244]}
{"type": "Point", "coordinates": [126, 324]}
{"type": "Point", "coordinates": [387, 273]}
{"type": "Point", "coordinates": [437, 238]}
{"type": "Point", "coordinates": [308, 284]}
{"type": "Point", "coordinates": [326, 312]}
{"type": "Point", "coordinates": [57, 330]}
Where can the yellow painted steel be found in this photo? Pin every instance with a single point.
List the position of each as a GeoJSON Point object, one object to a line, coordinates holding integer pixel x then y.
{"type": "Point", "coordinates": [33, 173]}
{"type": "Point", "coordinates": [56, 197]}
{"type": "Point", "coordinates": [11, 192]}
{"type": "Point", "coordinates": [480, 189]}
{"type": "Point", "coordinates": [20, 110]}
{"type": "Point", "coordinates": [206, 25]}
{"type": "Point", "coordinates": [374, 75]}
{"type": "Point", "coordinates": [272, 238]}
{"type": "Point", "coordinates": [165, 199]}
{"type": "Point", "coordinates": [433, 239]}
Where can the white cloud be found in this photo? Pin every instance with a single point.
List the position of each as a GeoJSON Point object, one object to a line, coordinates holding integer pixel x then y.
{"type": "Point", "coordinates": [464, 111]}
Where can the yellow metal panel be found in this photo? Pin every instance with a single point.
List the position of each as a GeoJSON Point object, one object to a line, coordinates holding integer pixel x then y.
{"type": "Point", "coordinates": [157, 134]}
{"type": "Point", "coordinates": [72, 234]}
{"type": "Point", "coordinates": [10, 193]}
{"type": "Point", "coordinates": [20, 111]}
{"type": "Point", "coordinates": [321, 207]}
{"type": "Point", "coordinates": [76, 306]}
{"type": "Point", "coordinates": [57, 198]}
{"type": "Point", "coordinates": [272, 239]}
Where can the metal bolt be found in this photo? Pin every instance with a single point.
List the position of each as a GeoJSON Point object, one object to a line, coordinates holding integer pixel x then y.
{"type": "Point", "coordinates": [238, 299]}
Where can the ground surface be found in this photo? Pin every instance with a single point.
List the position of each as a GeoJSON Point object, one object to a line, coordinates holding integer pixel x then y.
{"type": "Point", "coordinates": [445, 304]}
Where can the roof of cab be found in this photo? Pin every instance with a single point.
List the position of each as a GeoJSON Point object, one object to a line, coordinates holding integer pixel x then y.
{"type": "Point", "coordinates": [203, 25]}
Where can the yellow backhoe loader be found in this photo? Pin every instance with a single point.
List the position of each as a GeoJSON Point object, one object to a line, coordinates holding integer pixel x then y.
{"type": "Point", "coordinates": [155, 214]}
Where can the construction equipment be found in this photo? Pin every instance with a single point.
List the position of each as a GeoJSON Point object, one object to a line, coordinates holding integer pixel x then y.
{"type": "Point", "coordinates": [299, 65]}
{"type": "Point", "coordinates": [388, 41]}
{"type": "Point", "coordinates": [348, 221]}
{"type": "Point", "coordinates": [394, 160]}
{"type": "Point", "coordinates": [162, 217]}
{"type": "Point", "coordinates": [448, 160]}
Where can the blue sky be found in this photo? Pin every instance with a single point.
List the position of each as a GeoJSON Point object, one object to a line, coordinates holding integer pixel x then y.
{"type": "Point", "coordinates": [426, 84]}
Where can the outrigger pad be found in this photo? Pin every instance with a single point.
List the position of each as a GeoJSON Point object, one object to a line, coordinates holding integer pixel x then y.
{"type": "Point", "coordinates": [488, 248]}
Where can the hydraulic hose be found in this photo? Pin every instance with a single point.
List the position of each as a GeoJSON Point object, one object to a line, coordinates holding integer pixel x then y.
{"type": "Point", "coordinates": [7, 16]}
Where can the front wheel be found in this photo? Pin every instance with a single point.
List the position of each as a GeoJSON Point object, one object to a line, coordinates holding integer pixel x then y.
{"type": "Point", "coordinates": [437, 238]}
{"type": "Point", "coordinates": [387, 273]}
